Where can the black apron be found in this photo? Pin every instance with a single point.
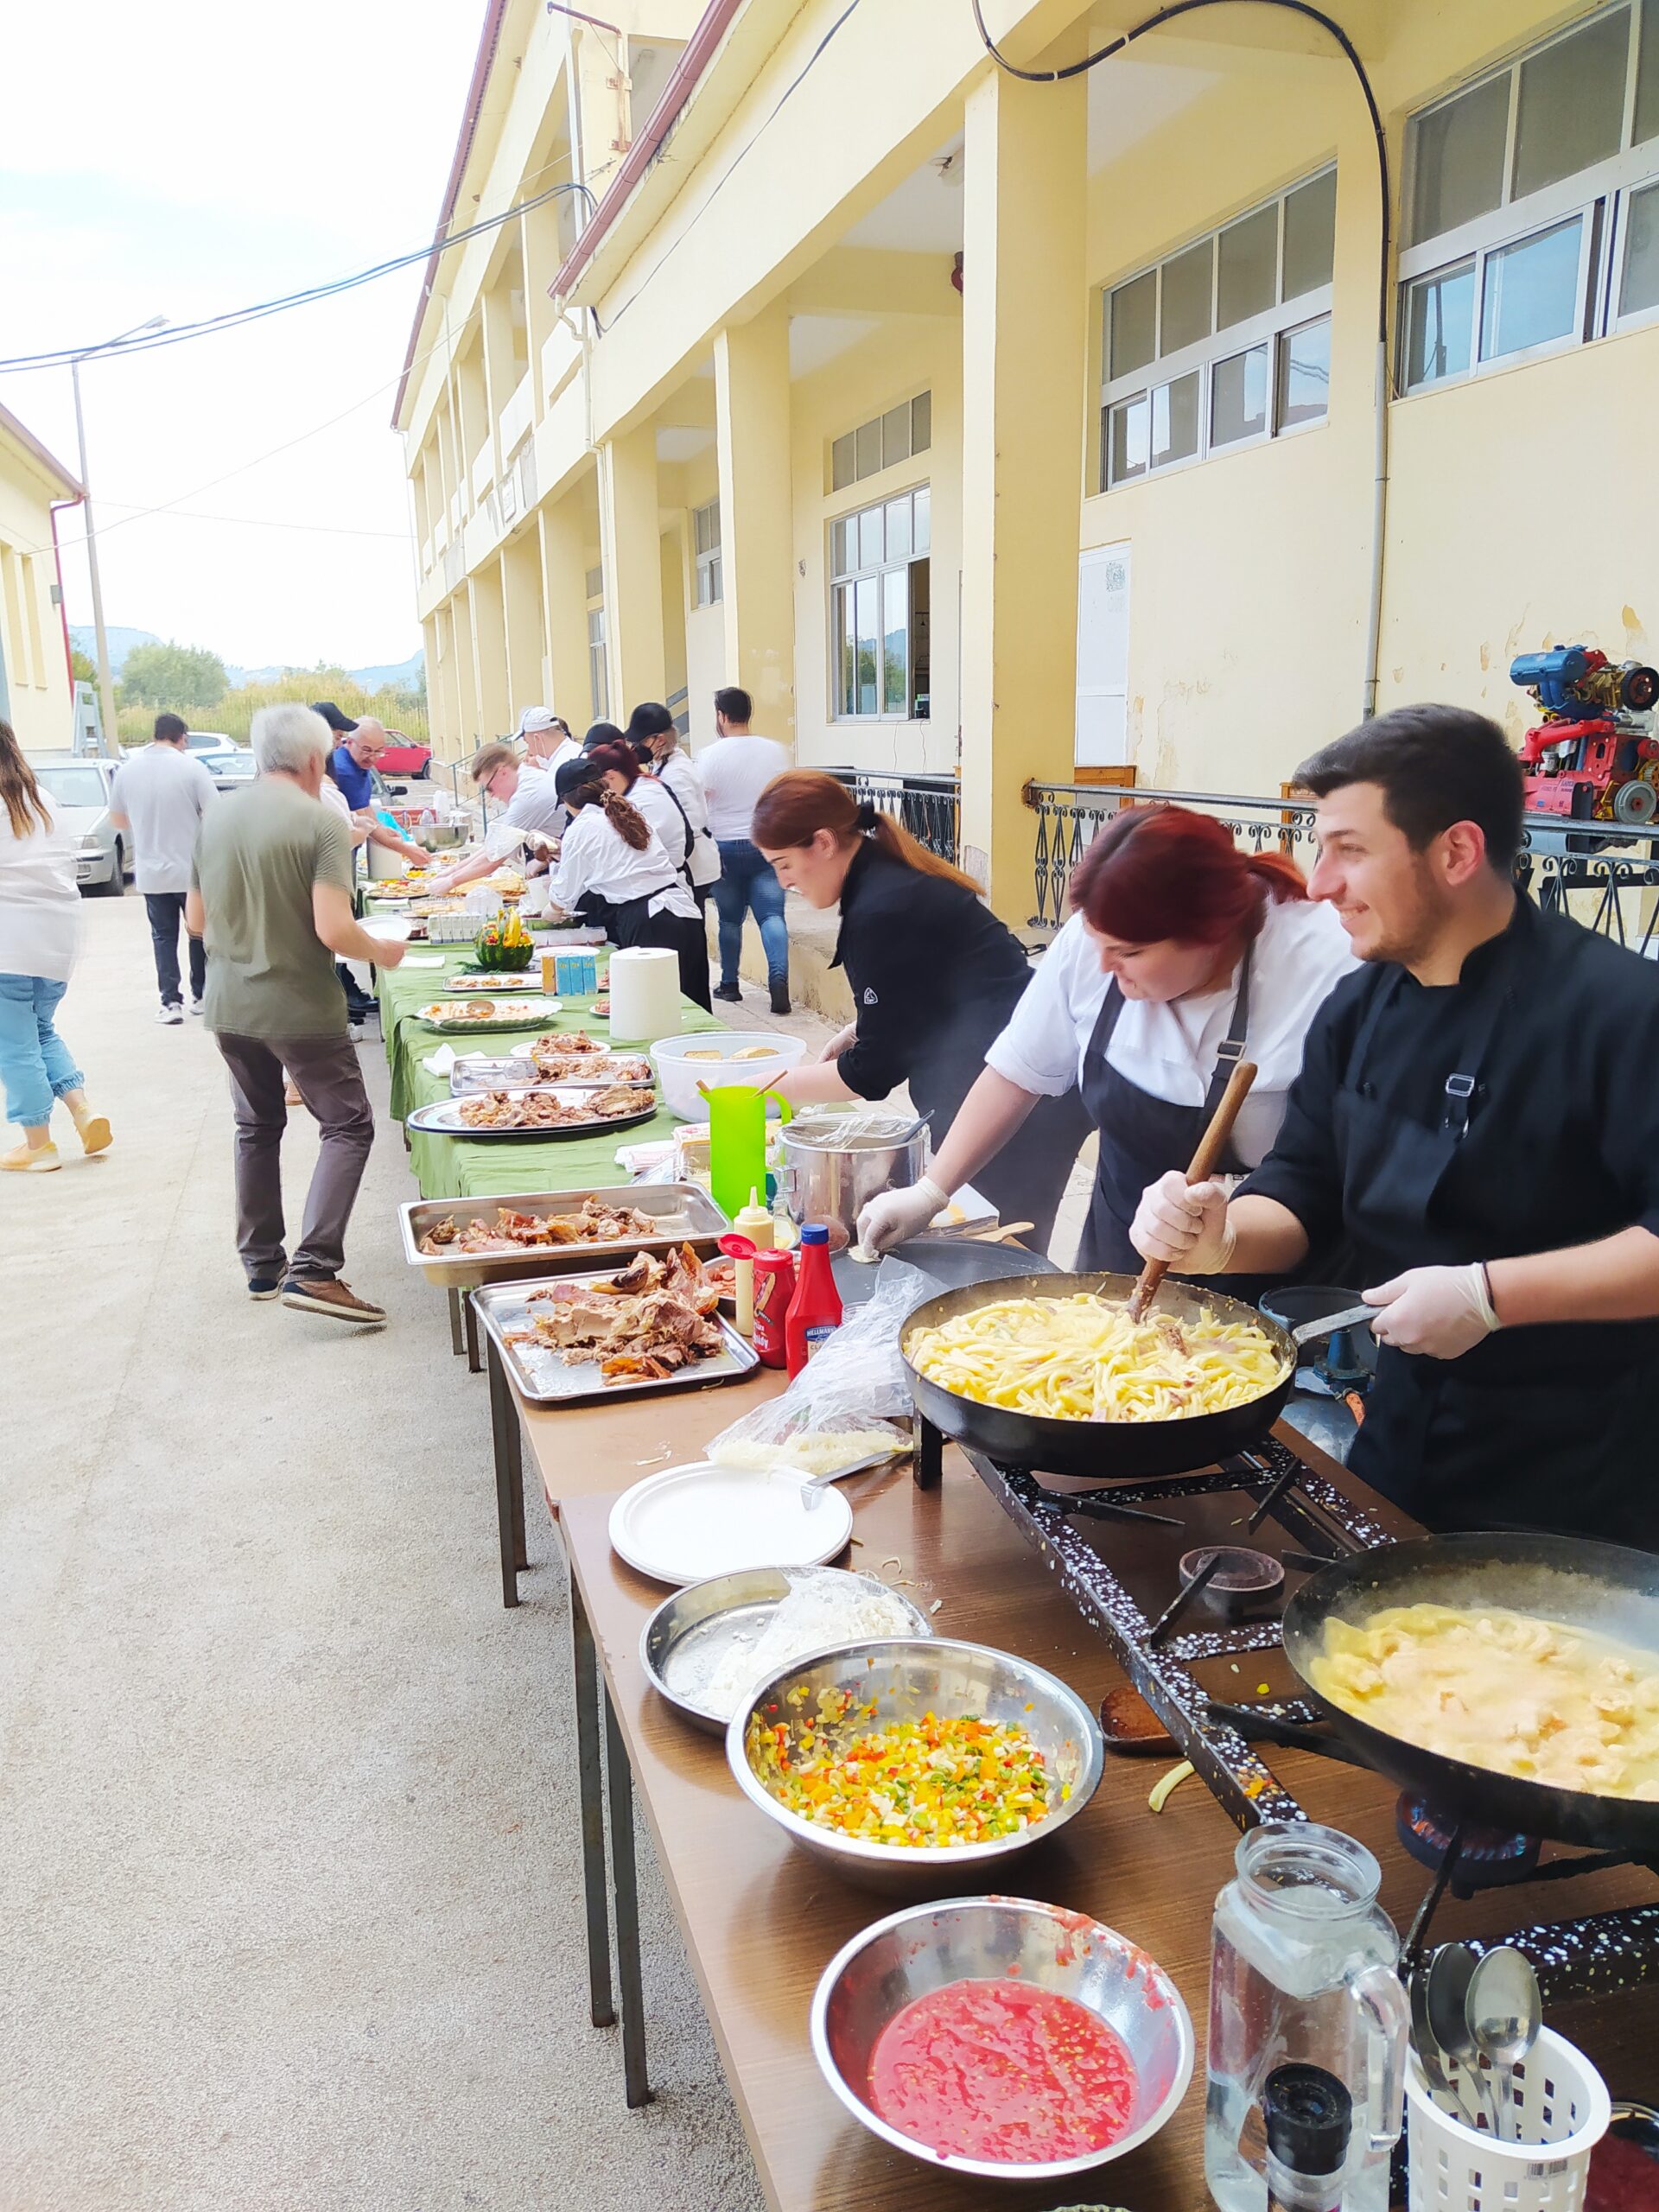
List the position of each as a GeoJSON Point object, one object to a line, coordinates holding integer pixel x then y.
{"type": "Point", "coordinates": [1514, 1435]}
{"type": "Point", "coordinates": [633, 923]}
{"type": "Point", "coordinates": [1142, 1137]}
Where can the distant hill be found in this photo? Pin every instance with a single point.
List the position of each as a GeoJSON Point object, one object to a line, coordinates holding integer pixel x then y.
{"type": "Point", "coordinates": [385, 676]}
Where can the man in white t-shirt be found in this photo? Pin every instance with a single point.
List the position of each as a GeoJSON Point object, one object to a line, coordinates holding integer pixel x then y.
{"type": "Point", "coordinates": [158, 797]}
{"type": "Point", "coordinates": [736, 770]}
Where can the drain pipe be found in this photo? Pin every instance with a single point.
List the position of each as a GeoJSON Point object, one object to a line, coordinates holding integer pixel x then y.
{"type": "Point", "coordinates": [1379, 532]}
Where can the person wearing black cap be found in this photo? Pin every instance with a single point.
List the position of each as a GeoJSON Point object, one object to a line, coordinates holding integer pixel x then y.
{"type": "Point", "coordinates": [611, 864]}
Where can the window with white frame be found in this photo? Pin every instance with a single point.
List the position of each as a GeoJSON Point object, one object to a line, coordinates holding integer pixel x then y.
{"type": "Point", "coordinates": [882, 441]}
{"type": "Point", "coordinates": [879, 601]}
{"type": "Point", "coordinates": [599, 680]}
{"type": "Point", "coordinates": [1532, 203]}
{"type": "Point", "coordinates": [705, 538]}
{"type": "Point", "coordinates": [1226, 343]}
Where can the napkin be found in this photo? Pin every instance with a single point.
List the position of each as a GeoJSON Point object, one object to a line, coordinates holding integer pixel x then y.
{"type": "Point", "coordinates": [422, 960]}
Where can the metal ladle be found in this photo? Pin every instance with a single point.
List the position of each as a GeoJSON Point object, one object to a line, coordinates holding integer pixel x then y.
{"type": "Point", "coordinates": [1504, 2015]}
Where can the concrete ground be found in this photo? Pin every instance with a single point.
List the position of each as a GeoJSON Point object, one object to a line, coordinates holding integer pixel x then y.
{"type": "Point", "coordinates": [289, 1913]}
{"type": "Point", "coordinates": [289, 1887]}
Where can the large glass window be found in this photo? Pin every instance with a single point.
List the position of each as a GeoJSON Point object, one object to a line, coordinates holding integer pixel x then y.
{"type": "Point", "coordinates": [1192, 346]}
{"type": "Point", "coordinates": [1526, 215]}
{"type": "Point", "coordinates": [878, 607]}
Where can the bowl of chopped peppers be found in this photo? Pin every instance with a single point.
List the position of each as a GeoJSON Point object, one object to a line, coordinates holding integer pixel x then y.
{"type": "Point", "coordinates": [906, 1763]}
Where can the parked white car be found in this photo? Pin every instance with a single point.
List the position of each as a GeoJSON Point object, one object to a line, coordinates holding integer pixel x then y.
{"type": "Point", "coordinates": [79, 792]}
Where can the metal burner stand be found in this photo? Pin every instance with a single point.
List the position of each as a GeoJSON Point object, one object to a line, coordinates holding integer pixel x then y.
{"type": "Point", "coordinates": [1594, 1955]}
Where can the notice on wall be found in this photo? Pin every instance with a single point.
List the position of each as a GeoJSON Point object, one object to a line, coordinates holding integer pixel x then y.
{"type": "Point", "coordinates": [1102, 724]}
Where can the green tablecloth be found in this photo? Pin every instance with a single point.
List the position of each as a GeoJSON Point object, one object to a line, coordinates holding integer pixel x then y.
{"type": "Point", "coordinates": [462, 1167]}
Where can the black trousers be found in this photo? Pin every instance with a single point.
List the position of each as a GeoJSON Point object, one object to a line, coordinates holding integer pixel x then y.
{"type": "Point", "coordinates": [166, 912]}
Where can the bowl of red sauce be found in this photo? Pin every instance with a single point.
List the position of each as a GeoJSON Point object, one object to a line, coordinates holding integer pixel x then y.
{"type": "Point", "coordinates": [1002, 2037]}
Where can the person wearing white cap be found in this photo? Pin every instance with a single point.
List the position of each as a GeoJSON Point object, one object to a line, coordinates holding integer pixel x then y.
{"type": "Point", "coordinates": [546, 739]}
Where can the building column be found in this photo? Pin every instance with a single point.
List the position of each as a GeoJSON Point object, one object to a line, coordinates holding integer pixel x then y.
{"type": "Point", "coordinates": [521, 596]}
{"type": "Point", "coordinates": [469, 722]}
{"type": "Point", "coordinates": [489, 651]}
{"type": "Point", "coordinates": [1024, 355]}
{"type": "Point", "coordinates": [628, 534]}
{"type": "Point", "coordinates": [563, 531]}
{"type": "Point", "coordinates": [757, 540]}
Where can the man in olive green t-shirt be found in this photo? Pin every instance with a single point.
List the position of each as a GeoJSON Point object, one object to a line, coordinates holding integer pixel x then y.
{"type": "Point", "coordinates": [271, 895]}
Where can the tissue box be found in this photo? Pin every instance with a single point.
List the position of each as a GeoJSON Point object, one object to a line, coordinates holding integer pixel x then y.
{"type": "Point", "coordinates": [576, 973]}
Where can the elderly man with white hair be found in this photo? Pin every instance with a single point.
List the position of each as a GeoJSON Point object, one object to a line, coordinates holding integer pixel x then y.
{"type": "Point", "coordinates": [271, 896]}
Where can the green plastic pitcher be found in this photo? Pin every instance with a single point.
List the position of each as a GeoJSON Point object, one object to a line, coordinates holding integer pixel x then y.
{"type": "Point", "coordinates": [737, 1142]}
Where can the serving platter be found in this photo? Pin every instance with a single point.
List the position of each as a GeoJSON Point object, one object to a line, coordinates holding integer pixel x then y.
{"type": "Point", "coordinates": [544, 1379]}
{"type": "Point", "coordinates": [528, 1013]}
{"type": "Point", "coordinates": [687, 1215]}
{"type": "Point", "coordinates": [686, 1523]}
{"type": "Point", "coordinates": [469, 978]}
{"type": "Point", "coordinates": [444, 1118]}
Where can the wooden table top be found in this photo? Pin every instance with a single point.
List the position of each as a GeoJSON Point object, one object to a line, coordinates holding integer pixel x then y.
{"type": "Point", "coordinates": [761, 1920]}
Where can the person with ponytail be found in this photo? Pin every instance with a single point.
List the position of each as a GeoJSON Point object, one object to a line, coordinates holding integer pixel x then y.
{"type": "Point", "coordinates": [1182, 956]}
{"type": "Point", "coordinates": [611, 865]}
{"type": "Point", "coordinates": [622, 773]}
{"type": "Point", "coordinates": [934, 977]}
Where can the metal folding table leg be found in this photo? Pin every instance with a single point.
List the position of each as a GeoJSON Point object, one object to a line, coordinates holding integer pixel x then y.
{"type": "Point", "coordinates": [469, 1313]}
{"type": "Point", "coordinates": [457, 1333]}
{"type": "Point", "coordinates": [585, 1666]}
{"type": "Point", "coordinates": [509, 1480]}
{"type": "Point", "coordinates": [619, 1781]}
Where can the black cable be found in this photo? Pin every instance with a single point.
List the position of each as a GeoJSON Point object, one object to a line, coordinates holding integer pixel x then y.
{"type": "Point", "coordinates": [235, 318]}
{"type": "Point", "coordinates": [1187, 6]}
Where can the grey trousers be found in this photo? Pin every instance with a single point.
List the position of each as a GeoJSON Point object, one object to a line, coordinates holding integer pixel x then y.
{"type": "Point", "coordinates": [324, 1070]}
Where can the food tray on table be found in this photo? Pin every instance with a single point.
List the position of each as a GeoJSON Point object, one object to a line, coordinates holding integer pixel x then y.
{"type": "Point", "coordinates": [471, 978]}
{"type": "Point", "coordinates": [445, 1118]}
{"type": "Point", "coordinates": [543, 1379]}
{"type": "Point", "coordinates": [685, 1215]}
{"type": "Point", "coordinates": [480, 1018]}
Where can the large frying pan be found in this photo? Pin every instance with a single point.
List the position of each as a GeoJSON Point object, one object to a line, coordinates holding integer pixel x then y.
{"type": "Point", "coordinates": [1104, 1449]}
{"type": "Point", "coordinates": [1602, 1587]}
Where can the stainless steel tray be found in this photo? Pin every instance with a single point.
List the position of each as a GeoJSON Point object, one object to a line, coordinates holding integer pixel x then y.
{"type": "Point", "coordinates": [544, 1378]}
{"type": "Point", "coordinates": [678, 1203]}
{"type": "Point", "coordinates": [443, 1118]}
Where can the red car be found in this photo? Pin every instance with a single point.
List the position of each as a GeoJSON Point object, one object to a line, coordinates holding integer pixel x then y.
{"type": "Point", "coordinates": [403, 756]}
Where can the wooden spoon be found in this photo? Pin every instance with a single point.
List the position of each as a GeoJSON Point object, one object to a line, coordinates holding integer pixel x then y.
{"type": "Point", "coordinates": [1212, 1145]}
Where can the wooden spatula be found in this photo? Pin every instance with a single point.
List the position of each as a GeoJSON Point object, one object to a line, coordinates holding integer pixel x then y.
{"type": "Point", "coordinates": [1212, 1145]}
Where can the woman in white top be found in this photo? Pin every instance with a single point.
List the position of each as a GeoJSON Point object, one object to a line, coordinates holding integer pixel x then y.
{"type": "Point", "coordinates": [651, 733]}
{"type": "Point", "coordinates": [624, 774]}
{"type": "Point", "coordinates": [612, 868]}
{"type": "Point", "coordinates": [40, 935]}
{"type": "Point", "coordinates": [1182, 956]}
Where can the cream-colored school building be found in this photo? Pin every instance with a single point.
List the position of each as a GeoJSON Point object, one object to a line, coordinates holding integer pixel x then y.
{"type": "Point", "coordinates": [1023, 430]}
{"type": "Point", "coordinates": [35, 696]}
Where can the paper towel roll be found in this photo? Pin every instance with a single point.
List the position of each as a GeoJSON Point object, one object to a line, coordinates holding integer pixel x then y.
{"type": "Point", "coordinates": [645, 987]}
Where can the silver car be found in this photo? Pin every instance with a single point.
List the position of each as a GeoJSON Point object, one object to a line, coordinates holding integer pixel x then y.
{"type": "Point", "coordinates": [78, 791]}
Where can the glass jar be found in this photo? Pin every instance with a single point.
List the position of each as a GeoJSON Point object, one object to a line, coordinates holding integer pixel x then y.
{"type": "Point", "coordinates": [1302, 1973]}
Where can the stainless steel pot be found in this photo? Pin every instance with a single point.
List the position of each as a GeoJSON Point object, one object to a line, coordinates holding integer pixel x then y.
{"type": "Point", "coordinates": [835, 1164]}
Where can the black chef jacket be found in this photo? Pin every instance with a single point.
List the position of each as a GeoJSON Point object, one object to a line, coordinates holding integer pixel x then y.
{"type": "Point", "coordinates": [1549, 1427]}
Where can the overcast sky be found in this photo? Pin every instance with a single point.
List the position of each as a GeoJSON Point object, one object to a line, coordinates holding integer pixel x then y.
{"type": "Point", "coordinates": [182, 158]}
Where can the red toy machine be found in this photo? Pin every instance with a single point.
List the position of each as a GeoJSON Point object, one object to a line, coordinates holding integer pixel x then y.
{"type": "Point", "coordinates": [1592, 757]}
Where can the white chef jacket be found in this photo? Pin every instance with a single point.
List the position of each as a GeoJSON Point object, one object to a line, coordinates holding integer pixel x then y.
{"type": "Point", "coordinates": [650, 797]}
{"type": "Point", "coordinates": [594, 856]}
{"type": "Point", "coordinates": [40, 906]}
{"type": "Point", "coordinates": [679, 772]}
{"type": "Point", "coordinates": [1169, 1050]}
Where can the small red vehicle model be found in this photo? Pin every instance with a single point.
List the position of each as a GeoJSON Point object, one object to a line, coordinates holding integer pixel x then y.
{"type": "Point", "coordinates": [1593, 757]}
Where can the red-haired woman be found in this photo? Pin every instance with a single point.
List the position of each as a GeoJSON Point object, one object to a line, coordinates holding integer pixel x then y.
{"type": "Point", "coordinates": [1182, 956]}
{"type": "Point", "coordinates": [612, 869]}
{"type": "Point", "coordinates": [623, 772]}
{"type": "Point", "coordinates": [934, 978]}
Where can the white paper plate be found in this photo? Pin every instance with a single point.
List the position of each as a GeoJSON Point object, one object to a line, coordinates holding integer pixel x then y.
{"type": "Point", "coordinates": [689, 1523]}
{"type": "Point", "coordinates": [391, 929]}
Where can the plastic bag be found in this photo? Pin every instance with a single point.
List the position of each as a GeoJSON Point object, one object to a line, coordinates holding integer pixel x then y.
{"type": "Point", "coordinates": [851, 1400]}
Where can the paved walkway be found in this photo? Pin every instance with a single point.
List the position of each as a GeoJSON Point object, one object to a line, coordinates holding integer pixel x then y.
{"type": "Point", "coordinates": [288, 1884]}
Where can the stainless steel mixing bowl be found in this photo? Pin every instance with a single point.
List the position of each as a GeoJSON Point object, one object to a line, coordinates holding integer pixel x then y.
{"type": "Point", "coordinates": [924, 1947]}
{"type": "Point", "coordinates": [903, 1677]}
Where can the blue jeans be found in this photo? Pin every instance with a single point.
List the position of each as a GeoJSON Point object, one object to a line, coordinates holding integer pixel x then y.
{"type": "Point", "coordinates": [746, 884]}
{"type": "Point", "coordinates": [36, 1066]}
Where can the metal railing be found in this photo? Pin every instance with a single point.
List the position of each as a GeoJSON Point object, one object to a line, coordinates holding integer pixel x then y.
{"type": "Point", "coordinates": [929, 807]}
{"type": "Point", "coordinates": [1604, 874]}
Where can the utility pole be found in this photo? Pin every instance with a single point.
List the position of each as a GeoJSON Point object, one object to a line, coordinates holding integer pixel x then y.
{"type": "Point", "coordinates": [105, 681]}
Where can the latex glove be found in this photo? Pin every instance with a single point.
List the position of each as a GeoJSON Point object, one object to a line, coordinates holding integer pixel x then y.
{"type": "Point", "coordinates": [1443, 1311]}
{"type": "Point", "coordinates": [895, 1214]}
{"type": "Point", "coordinates": [840, 1042]}
{"type": "Point", "coordinates": [1185, 1223]}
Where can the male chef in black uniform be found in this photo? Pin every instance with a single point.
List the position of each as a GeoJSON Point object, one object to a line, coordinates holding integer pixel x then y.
{"type": "Point", "coordinates": [1477, 1114]}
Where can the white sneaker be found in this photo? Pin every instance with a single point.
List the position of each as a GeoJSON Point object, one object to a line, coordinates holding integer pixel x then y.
{"type": "Point", "coordinates": [172, 1015]}
{"type": "Point", "coordinates": [354, 1031]}
{"type": "Point", "coordinates": [196, 1006]}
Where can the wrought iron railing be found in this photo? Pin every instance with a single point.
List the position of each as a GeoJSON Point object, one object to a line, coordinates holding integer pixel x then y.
{"type": "Point", "coordinates": [929, 807]}
{"type": "Point", "coordinates": [1604, 874]}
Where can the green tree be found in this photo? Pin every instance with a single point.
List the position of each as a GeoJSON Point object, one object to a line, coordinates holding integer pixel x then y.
{"type": "Point", "coordinates": [82, 667]}
{"type": "Point", "coordinates": [172, 676]}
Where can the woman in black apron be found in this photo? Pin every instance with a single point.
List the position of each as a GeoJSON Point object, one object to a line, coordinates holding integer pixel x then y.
{"type": "Point", "coordinates": [622, 772]}
{"type": "Point", "coordinates": [1183, 956]}
{"type": "Point", "coordinates": [934, 976]}
{"type": "Point", "coordinates": [612, 869]}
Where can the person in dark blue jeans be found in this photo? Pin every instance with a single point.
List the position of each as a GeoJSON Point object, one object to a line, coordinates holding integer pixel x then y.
{"type": "Point", "coordinates": [746, 884]}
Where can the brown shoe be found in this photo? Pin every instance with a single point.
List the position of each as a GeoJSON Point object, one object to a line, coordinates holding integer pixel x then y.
{"type": "Point", "coordinates": [336, 1298]}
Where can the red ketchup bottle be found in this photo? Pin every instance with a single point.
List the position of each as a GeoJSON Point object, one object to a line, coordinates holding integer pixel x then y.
{"type": "Point", "coordinates": [815, 1310]}
{"type": "Point", "coordinates": [774, 1285]}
